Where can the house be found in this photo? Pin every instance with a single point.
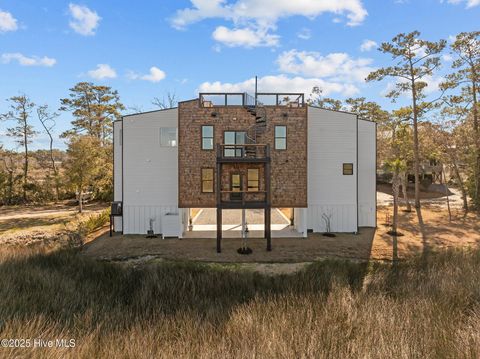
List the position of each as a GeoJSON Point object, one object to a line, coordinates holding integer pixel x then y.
{"type": "Point", "coordinates": [237, 151]}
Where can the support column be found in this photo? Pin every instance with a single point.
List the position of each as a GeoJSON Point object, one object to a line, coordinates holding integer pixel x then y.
{"type": "Point", "coordinates": [268, 231]}
{"type": "Point", "coordinates": [268, 200]}
{"type": "Point", "coordinates": [219, 230]}
{"type": "Point", "coordinates": [218, 177]}
{"type": "Point", "coordinates": [243, 223]}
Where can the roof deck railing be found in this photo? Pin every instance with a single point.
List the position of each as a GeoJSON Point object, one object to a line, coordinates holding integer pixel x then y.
{"type": "Point", "coordinates": [223, 99]}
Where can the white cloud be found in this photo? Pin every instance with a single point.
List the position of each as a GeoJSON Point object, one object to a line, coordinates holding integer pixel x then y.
{"type": "Point", "coordinates": [470, 3]}
{"type": "Point", "coordinates": [28, 61]}
{"type": "Point", "coordinates": [281, 83]}
{"type": "Point", "coordinates": [155, 75]}
{"type": "Point", "coordinates": [304, 34]}
{"type": "Point", "coordinates": [84, 21]}
{"type": "Point", "coordinates": [261, 17]}
{"type": "Point", "coordinates": [334, 66]}
{"type": "Point", "coordinates": [245, 37]}
{"type": "Point", "coordinates": [7, 22]}
{"type": "Point", "coordinates": [103, 71]}
{"type": "Point", "coordinates": [368, 45]}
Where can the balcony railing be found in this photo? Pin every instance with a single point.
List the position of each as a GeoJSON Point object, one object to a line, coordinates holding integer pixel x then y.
{"type": "Point", "coordinates": [281, 99]}
{"type": "Point", "coordinates": [243, 197]}
{"type": "Point", "coordinates": [243, 152]}
{"type": "Point", "coordinates": [222, 99]}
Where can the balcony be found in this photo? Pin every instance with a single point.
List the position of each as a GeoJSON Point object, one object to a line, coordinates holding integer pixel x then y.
{"type": "Point", "coordinates": [243, 199]}
{"type": "Point", "coordinates": [249, 153]}
{"type": "Point", "coordinates": [224, 99]}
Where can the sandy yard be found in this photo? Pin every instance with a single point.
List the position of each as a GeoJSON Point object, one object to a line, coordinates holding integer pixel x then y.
{"type": "Point", "coordinates": [433, 232]}
{"type": "Point", "coordinates": [436, 233]}
{"type": "Point", "coordinates": [27, 225]}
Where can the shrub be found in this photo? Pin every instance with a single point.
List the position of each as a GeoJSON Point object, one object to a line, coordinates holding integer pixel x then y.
{"type": "Point", "coordinates": [87, 226]}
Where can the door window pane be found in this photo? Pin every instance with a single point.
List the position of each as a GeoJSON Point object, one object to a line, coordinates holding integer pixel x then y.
{"type": "Point", "coordinates": [253, 180]}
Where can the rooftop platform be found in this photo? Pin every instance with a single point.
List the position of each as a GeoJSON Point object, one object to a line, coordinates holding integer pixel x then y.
{"type": "Point", "coordinates": [223, 99]}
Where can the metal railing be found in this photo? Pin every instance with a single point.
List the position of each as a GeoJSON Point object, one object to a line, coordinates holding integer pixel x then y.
{"type": "Point", "coordinates": [281, 99]}
{"type": "Point", "coordinates": [244, 151]}
{"type": "Point", "coordinates": [243, 197]}
{"type": "Point", "coordinates": [222, 99]}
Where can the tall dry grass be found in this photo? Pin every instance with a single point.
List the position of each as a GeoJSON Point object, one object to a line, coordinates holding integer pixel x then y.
{"type": "Point", "coordinates": [424, 308]}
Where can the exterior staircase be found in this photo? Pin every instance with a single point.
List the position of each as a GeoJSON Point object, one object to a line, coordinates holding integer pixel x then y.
{"type": "Point", "coordinates": [255, 132]}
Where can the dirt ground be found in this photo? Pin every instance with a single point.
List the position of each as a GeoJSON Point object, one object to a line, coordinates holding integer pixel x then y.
{"type": "Point", "coordinates": [432, 232]}
{"type": "Point", "coordinates": [435, 232]}
{"type": "Point", "coordinates": [27, 225]}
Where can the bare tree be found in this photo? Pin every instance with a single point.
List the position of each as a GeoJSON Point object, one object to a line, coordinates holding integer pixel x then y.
{"type": "Point", "coordinates": [165, 103]}
{"type": "Point", "coordinates": [47, 119]}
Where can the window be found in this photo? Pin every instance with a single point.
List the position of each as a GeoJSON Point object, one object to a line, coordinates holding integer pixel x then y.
{"type": "Point", "coordinates": [252, 180]}
{"type": "Point", "coordinates": [168, 137]}
{"type": "Point", "coordinates": [207, 137]}
{"type": "Point", "coordinates": [207, 180]}
{"type": "Point", "coordinates": [233, 138]}
{"type": "Point", "coordinates": [280, 137]}
{"type": "Point", "coordinates": [348, 169]}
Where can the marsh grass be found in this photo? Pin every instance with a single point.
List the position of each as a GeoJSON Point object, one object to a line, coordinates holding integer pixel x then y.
{"type": "Point", "coordinates": [420, 308]}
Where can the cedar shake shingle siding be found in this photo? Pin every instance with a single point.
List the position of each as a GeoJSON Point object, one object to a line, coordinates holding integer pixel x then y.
{"type": "Point", "coordinates": [288, 167]}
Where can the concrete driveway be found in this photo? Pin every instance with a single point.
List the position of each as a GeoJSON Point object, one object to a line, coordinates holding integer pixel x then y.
{"type": "Point", "coordinates": [234, 216]}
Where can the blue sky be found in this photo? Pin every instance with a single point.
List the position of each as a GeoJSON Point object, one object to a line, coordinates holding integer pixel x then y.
{"type": "Point", "coordinates": [146, 49]}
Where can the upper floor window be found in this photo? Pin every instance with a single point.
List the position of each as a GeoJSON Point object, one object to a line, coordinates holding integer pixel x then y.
{"type": "Point", "coordinates": [168, 137]}
{"type": "Point", "coordinates": [348, 169]}
{"type": "Point", "coordinates": [233, 138]}
{"type": "Point", "coordinates": [207, 137]}
{"type": "Point", "coordinates": [280, 137]}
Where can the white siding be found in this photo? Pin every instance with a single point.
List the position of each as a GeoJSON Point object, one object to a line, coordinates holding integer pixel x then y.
{"type": "Point", "coordinates": [332, 141]}
{"type": "Point", "coordinates": [150, 171]}
{"type": "Point", "coordinates": [300, 224]}
{"type": "Point", "coordinates": [117, 169]}
{"type": "Point", "coordinates": [366, 173]}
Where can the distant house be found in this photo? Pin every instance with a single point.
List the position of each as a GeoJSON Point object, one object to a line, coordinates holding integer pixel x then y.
{"type": "Point", "coordinates": [236, 151]}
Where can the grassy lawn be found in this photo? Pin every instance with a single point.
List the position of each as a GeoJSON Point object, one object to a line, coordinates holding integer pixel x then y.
{"type": "Point", "coordinates": [47, 222]}
{"type": "Point", "coordinates": [423, 307]}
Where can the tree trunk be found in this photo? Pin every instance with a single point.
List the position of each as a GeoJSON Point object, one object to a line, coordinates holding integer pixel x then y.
{"type": "Point", "coordinates": [54, 168]}
{"type": "Point", "coordinates": [477, 140]}
{"type": "Point", "coordinates": [80, 201]}
{"type": "Point", "coordinates": [10, 187]}
{"type": "Point", "coordinates": [416, 151]}
{"type": "Point", "coordinates": [395, 190]}
{"type": "Point", "coordinates": [25, 168]}
{"type": "Point", "coordinates": [461, 185]}
{"type": "Point", "coordinates": [405, 193]}
{"type": "Point", "coordinates": [443, 180]}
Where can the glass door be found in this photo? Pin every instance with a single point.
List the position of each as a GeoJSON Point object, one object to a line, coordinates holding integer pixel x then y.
{"type": "Point", "coordinates": [236, 187]}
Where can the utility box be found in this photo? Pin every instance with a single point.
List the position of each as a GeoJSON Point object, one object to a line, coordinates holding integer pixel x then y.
{"type": "Point", "coordinates": [170, 225]}
{"type": "Point", "coordinates": [116, 208]}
